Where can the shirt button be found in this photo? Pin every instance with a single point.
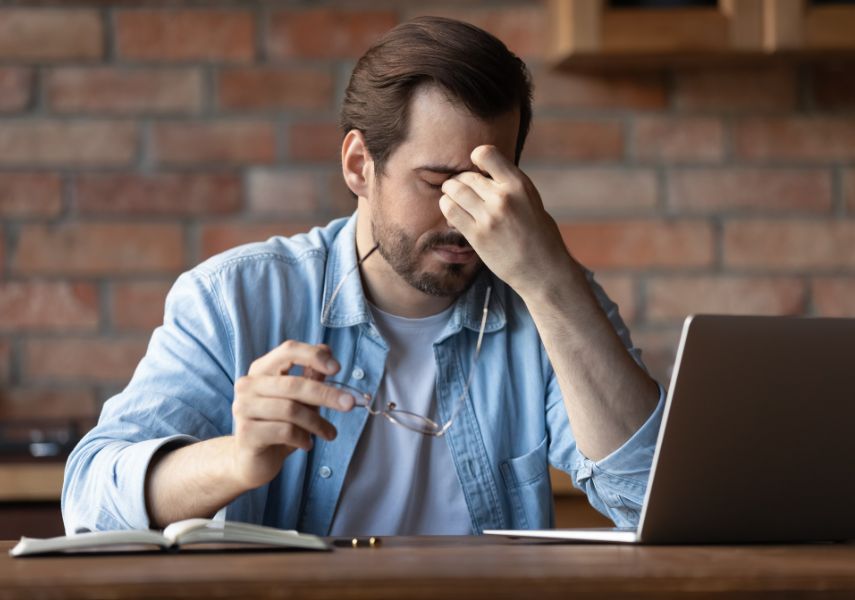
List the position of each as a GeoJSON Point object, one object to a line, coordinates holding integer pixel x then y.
{"type": "Point", "coordinates": [357, 373]}
{"type": "Point", "coordinates": [325, 472]}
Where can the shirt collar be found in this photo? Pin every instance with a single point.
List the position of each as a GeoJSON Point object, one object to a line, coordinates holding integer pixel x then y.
{"type": "Point", "coordinates": [351, 307]}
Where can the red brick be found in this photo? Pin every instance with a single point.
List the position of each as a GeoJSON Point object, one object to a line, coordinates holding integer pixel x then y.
{"type": "Point", "coordinates": [315, 141]}
{"type": "Point", "coordinates": [67, 143]}
{"type": "Point", "coordinates": [342, 200]}
{"type": "Point", "coordinates": [674, 298]}
{"type": "Point", "coordinates": [279, 88]}
{"type": "Point", "coordinates": [40, 403]}
{"type": "Point", "coordinates": [283, 193]}
{"type": "Point", "coordinates": [175, 35]}
{"type": "Point", "coordinates": [82, 359]}
{"type": "Point", "coordinates": [221, 237]}
{"type": "Point", "coordinates": [833, 86]}
{"type": "Point", "coordinates": [111, 90]}
{"type": "Point", "coordinates": [659, 350]}
{"type": "Point", "coordinates": [326, 33]}
{"type": "Point", "coordinates": [849, 189]}
{"type": "Point", "coordinates": [599, 91]}
{"type": "Point", "coordinates": [737, 89]}
{"type": "Point", "coordinates": [5, 361]}
{"type": "Point", "coordinates": [640, 244]}
{"type": "Point", "coordinates": [596, 190]}
{"type": "Point", "coordinates": [834, 296]}
{"type": "Point", "coordinates": [16, 85]}
{"type": "Point", "coordinates": [671, 139]}
{"type": "Point", "coordinates": [41, 305]}
{"type": "Point", "coordinates": [796, 138]}
{"type": "Point", "coordinates": [30, 195]}
{"type": "Point", "coordinates": [790, 244]}
{"type": "Point", "coordinates": [50, 34]}
{"type": "Point", "coordinates": [564, 139]}
{"type": "Point", "coordinates": [138, 305]}
{"type": "Point", "coordinates": [746, 189]}
{"type": "Point", "coordinates": [230, 142]}
{"type": "Point", "coordinates": [160, 193]}
{"type": "Point", "coordinates": [621, 290]}
{"type": "Point", "coordinates": [523, 28]}
{"type": "Point", "coordinates": [99, 249]}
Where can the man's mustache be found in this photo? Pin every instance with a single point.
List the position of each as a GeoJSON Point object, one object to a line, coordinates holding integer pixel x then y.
{"type": "Point", "coordinates": [451, 238]}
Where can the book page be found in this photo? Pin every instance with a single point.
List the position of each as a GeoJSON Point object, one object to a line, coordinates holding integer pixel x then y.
{"type": "Point", "coordinates": [195, 531]}
{"type": "Point", "coordinates": [90, 540]}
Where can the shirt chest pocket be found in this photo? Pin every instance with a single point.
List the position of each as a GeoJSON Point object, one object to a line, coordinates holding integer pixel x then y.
{"type": "Point", "coordinates": [529, 489]}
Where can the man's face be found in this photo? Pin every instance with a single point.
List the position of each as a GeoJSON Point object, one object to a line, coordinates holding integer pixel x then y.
{"type": "Point", "coordinates": [406, 221]}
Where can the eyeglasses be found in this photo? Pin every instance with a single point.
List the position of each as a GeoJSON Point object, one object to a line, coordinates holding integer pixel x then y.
{"type": "Point", "coordinates": [390, 410]}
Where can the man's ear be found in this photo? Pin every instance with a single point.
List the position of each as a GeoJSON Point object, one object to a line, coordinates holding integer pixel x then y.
{"type": "Point", "coordinates": [357, 166]}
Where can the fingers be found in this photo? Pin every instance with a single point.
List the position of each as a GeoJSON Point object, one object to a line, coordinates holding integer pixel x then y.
{"type": "Point", "coordinates": [289, 411]}
{"type": "Point", "coordinates": [310, 372]}
{"type": "Point", "coordinates": [316, 357]}
{"type": "Point", "coordinates": [284, 410]}
{"type": "Point", "coordinates": [465, 196]}
{"type": "Point", "coordinates": [300, 389]}
{"type": "Point", "coordinates": [480, 184]}
{"type": "Point", "coordinates": [456, 216]}
{"type": "Point", "coordinates": [491, 161]}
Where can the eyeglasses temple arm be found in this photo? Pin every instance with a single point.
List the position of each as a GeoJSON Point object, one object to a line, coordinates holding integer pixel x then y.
{"type": "Point", "coordinates": [333, 296]}
{"type": "Point", "coordinates": [474, 361]}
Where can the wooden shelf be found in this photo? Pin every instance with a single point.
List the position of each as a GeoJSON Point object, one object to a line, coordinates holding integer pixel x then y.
{"type": "Point", "coordinates": [43, 481]}
{"type": "Point", "coordinates": [561, 484]}
{"type": "Point", "coordinates": [587, 34]}
{"type": "Point", "coordinates": [31, 481]}
{"type": "Point", "coordinates": [30, 492]}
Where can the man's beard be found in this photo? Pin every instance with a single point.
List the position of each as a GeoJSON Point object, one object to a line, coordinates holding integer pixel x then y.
{"type": "Point", "coordinates": [400, 251]}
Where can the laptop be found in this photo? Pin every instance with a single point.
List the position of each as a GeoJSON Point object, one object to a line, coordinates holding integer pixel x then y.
{"type": "Point", "coordinates": [757, 442]}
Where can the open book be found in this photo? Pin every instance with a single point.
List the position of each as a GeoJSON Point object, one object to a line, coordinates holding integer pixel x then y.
{"type": "Point", "coordinates": [178, 534]}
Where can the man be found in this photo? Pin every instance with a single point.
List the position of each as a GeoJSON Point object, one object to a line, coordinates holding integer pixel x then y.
{"type": "Point", "coordinates": [412, 369]}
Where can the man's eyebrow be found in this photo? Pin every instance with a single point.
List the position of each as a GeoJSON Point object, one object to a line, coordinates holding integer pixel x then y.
{"type": "Point", "coordinates": [444, 169]}
{"type": "Point", "coordinates": [448, 170]}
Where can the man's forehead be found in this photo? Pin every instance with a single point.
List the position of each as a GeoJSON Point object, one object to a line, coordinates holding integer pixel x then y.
{"type": "Point", "coordinates": [441, 134]}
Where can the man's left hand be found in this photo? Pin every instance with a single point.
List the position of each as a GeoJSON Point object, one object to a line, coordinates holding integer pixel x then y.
{"type": "Point", "coordinates": [502, 217]}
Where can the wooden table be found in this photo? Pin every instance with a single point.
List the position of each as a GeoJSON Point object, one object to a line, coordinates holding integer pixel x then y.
{"type": "Point", "coordinates": [442, 568]}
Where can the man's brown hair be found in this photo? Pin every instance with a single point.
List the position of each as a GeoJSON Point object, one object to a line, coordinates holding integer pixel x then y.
{"type": "Point", "coordinates": [470, 65]}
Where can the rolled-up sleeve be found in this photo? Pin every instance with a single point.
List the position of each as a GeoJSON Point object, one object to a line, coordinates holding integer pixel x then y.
{"type": "Point", "coordinates": [181, 392]}
{"type": "Point", "coordinates": [616, 484]}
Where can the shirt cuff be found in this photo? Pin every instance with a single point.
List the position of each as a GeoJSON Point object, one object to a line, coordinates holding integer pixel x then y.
{"type": "Point", "coordinates": [636, 453]}
{"type": "Point", "coordinates": [130, 473]}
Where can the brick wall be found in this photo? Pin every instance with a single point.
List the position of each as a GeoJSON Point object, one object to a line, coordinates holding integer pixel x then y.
{"type": "Point", "coordinates": [139, 137]}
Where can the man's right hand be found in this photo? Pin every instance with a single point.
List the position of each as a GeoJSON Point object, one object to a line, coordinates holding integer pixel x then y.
{"type": "Point", "coordinates": [276, 413]}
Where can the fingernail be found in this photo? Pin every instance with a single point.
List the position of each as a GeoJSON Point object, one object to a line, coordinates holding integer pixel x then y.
{"type": "Point", "coordinates": [345, 401]}
{"type": "Point", "coordinates": [332, 365]}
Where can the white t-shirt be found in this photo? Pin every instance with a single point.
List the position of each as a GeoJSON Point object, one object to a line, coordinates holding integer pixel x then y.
{"type": "Point", "coordinates": [401, 482]}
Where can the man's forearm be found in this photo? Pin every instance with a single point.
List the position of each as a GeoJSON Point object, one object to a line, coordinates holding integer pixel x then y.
{"type": "Point", "coordinates": [191, 481]}
{"type": "Point", "coordinates": [608, 396]}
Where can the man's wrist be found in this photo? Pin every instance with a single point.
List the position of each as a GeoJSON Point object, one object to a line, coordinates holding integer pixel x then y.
{"type": "Point", "coordinates": [558, 282]}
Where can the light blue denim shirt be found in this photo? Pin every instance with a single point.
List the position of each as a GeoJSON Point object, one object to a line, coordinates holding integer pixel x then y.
{"type": "Point", "coordinates": [239, 305]}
